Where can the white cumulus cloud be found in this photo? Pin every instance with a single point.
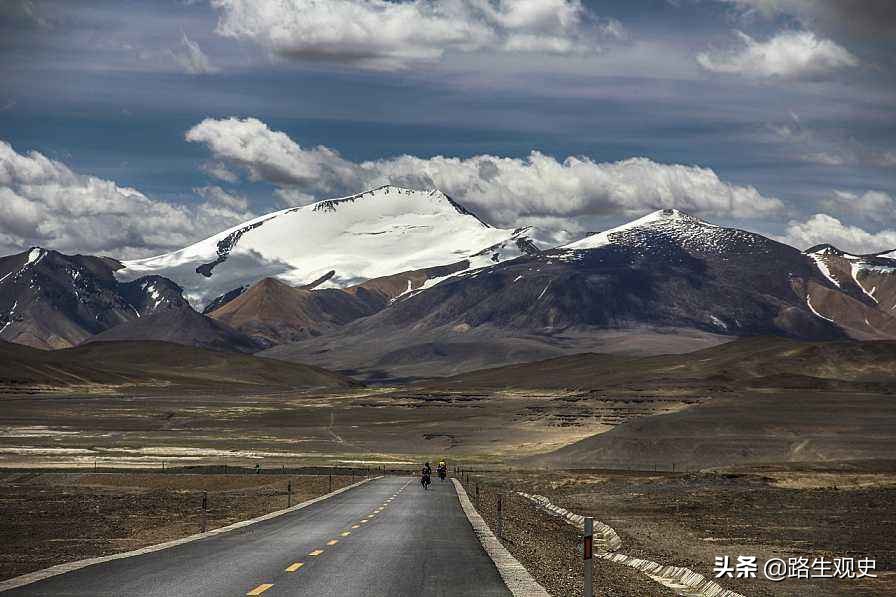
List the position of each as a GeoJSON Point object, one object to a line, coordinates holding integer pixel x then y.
{"type": "Point", "coordinates": [216, 195]}
{"type": "Point", "coordinates": [387, 34]}
{"type": "Point", "coordinates": [822, 228]}
{"type": "Point", "coordinates": [44, 202]}
{"type": "Point", "coordinates": [506, 191]}
{"type": "Point", "coordinates": [787, 55]}
{"type": "Point", "coordinates": [874, 206]}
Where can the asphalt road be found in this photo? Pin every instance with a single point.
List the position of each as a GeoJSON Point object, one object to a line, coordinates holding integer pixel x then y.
{"type": "Point", "coordinates": [418, 544]}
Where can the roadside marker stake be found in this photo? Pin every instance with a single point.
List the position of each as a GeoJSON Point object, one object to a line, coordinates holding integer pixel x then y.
{"type": "Point", "coordinates": [500, 522]}
{"type": "Point", "coordinates": [587, 547]}
{"type": "Point", "coordinates": [316, 552]}
{"type": "Point", "coordinates": [295, 566]}
{"type": "Point", "coordinates": [259, 590]}
{"type": "Point", "coordinates": [204, 521]}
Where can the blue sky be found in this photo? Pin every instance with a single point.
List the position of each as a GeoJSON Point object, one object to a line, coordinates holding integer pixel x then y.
{"type": "Point", "coordinates": [781, 113]}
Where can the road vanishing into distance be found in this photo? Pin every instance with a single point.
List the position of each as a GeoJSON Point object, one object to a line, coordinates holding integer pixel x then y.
{"type": "Point", "coordinates": [385, 537]}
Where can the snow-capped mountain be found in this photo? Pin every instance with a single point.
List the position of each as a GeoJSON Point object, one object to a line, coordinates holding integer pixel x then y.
{"type": "Point", "coordinates": [692, 234]}
{"type": "Point", "coordinates": [666, 271]}
{"type": "Point", "coordinates": [861, 294]}
{"type": "Point", "coordinates": [51, 300]}
{"type": "Point", "coordinates": [666, 268]}
{"type": "Point", "coordinates": [353, 287]}
{"type": "Point", "coordinates": [373, 234]}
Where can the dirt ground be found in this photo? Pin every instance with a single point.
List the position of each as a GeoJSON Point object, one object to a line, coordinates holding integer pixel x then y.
{"type": "Point", "coordinates": [55, 517]}
{"type": "Point", "coordinates": [688, 519]}
{"type": "Point", "coordinates": [384, 425]}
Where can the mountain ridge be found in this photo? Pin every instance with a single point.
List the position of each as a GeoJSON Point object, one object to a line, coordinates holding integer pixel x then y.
{"type": "Point", "coordinates": [372, 234]}
{"type": "Point", "coordinates": [52, 300]}
{"type": "Point", "coordinates": [666, 270]}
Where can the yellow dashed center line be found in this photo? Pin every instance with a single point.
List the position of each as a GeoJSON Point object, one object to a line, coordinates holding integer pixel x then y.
{"type": "Point", "coordinates": [259, 589]}
{"type": "Point", "coordinates": [364, 521]}
{"type": "Point", "coordinates": [356, 526]}
{"type": "Point", "coordinates": [346, 533]}
{"type": "Point", "coordinates": [332, 541]}
{"type": "Point", "coordinates": [295, 566]}
{"type": "Point", "coordinates": [316, 552]}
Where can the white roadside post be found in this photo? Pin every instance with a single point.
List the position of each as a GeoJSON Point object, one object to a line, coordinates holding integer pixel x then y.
{"type": "Point", "coordinates": [586, 553]}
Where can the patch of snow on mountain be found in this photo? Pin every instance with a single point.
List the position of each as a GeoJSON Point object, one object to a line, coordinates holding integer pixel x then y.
{"type": "Point", "coordinates": [517, 245]}
{"type": "Point", "coordinates": [377, 233]}
{"type": "Point", "coordinates": [718, 322]}
{"type": "Point", "coordinates": [9, 316]}
{"type": "Point", "coordinates": [824, 269]}
{"type": "Point", "coordinates": [855, 268]}
{"type": "Point", "coordinates": [34, 256]}
{"type": "Point", "coordinates": [155, 295]}
{"type": "Point", "coordinates": [817, 314]}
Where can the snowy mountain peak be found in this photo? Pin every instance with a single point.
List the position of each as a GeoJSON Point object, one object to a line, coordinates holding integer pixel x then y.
{"type": "Point", "coordinates": [376, 233]}
{"type": "Point", "coordinates": [664, 222]}
{"type": "Point", "coordinates": [427, 200]}
{"type": "Point", "coordinates": [35, 254]}
{"type": "Point", "coordinates": [672, 214]}
{"type": "Point", "coordinates": [825, 249]}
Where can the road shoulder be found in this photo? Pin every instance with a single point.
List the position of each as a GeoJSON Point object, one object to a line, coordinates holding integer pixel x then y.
{"type": "Point", "coordinates": [515, 576]}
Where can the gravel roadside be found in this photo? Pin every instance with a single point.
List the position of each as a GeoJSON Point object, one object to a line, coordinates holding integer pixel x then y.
{"type": "Point", "coordinates": [550, 549]}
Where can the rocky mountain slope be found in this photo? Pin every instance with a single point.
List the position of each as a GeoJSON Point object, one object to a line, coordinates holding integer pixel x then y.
{"type": "Point", "coordinates": [274, 313]}
{"type": "Point", "coordinates": [861, 295]}
{"type": "Point", "coordinates": [51, 300]}
{"type": "Point", "coordinates": [405, 283]}
{"type": "Point", "coordinates": [373, 234]}
{"type": "Point", "coordinates": [664, 273]}
{"type": "Point", "coordinates": [181, 326]}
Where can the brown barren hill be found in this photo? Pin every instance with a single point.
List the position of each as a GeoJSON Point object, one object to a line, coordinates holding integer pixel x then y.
{"type": "Point", "coordinates": [181, 326]}
{"type": "Point", "coordinates": [752, 400]}
{"type": "Point", "coordinates": [143, 366]}
{"type": "Point", "coordinates": [743, 362]}
{"type": "Point", "coordinates": [273, 312]}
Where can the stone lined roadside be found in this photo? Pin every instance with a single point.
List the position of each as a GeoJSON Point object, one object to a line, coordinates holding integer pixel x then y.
{"type": "Point", "coordinates": [550, 549]}
{"type": "Point", "coordinates": [683, 580]}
